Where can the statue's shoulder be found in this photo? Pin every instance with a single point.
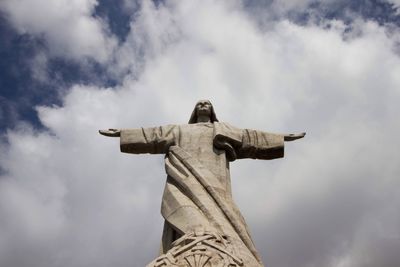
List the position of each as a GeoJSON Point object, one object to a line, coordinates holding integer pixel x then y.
{"type": "Point", "coordinates": [225, 126]}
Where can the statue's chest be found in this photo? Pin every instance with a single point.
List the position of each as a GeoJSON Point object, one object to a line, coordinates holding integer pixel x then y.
{"type": "Point", "coordinates": [197, 138]}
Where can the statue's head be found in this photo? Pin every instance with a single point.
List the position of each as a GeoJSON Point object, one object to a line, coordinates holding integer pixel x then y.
{"type": "Point", "coordinates": [203, 108]}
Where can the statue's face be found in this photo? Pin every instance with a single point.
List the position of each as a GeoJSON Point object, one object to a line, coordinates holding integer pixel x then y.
{"type": "Point", "coordinates": [203, 108]}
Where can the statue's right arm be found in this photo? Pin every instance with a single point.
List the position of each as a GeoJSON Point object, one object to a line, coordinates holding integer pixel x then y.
{"type": "Point", "coordinates": [111, 132]}
{"type": "Point", "coordinates": [153, 140]}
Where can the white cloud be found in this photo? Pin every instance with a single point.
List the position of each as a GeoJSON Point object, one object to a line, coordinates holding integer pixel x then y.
{"type": "Point", "coordinates": [282, 7]}
{"type": "Point", "coordinates": [68, 26]}
{"type": "Point", "coordinates": [131, 5]}
{"type": "Point", "coordinates": [287, 5]}
{"type": "Point", "coordinates": [70, 198]}
{"type": "Point", "coordinates": [396, 4]}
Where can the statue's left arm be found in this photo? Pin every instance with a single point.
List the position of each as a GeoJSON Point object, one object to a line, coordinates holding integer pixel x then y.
{"type": "Point", "coordinates": [292, 137]}
{"type": "Point", "coordinates": [248, 143]}
{"type": "Point", "coordinates": [264, 145]}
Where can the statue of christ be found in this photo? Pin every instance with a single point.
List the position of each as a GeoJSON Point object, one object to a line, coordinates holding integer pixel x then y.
{"type": "Point", "coordinates": [197, 198]}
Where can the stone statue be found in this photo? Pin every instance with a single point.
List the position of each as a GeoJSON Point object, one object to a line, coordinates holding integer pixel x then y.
{"type": "Point", "coordinates": [203, 226]}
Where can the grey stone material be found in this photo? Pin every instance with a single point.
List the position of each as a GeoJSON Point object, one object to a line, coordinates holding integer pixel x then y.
{"type": "Point", "coordinates": [197, 200]}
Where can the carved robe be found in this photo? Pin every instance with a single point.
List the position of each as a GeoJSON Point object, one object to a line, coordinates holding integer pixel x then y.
{"type": "Point", "coordinates": [198, 187]}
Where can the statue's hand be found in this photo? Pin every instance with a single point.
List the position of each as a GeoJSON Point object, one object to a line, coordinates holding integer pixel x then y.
{"type": "Point", "coordinates": [292, 137]}
{"type": "Point", "coordinates": [111, 132]}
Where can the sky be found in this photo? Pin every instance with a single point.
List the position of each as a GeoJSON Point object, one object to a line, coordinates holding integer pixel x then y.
{"type": "Point", "coordinates": [68, 68]}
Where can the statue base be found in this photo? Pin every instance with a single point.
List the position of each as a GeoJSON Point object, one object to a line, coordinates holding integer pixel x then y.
{"type": "Point", "coordinates": [199, 249]}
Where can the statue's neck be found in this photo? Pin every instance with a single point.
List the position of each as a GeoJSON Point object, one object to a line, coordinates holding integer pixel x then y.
{"type": "Point", "coordinates": [203, 119]}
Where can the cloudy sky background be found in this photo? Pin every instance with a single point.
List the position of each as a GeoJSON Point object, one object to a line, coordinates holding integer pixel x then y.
{"type": "Point", "coordinates": [68, 197]}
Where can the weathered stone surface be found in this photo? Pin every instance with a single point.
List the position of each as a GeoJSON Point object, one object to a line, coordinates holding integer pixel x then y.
{"type": "Point", "coordinates": [200, 249]}
{"type": "Point", "coordinates": [198, 193]}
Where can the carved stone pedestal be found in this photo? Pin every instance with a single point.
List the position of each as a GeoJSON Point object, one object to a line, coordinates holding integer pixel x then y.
{"type": "Point", "coordinates": [199, 249]}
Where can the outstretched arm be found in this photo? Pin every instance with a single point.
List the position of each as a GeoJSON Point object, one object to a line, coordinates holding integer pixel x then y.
{"type": "Point", "coordinates": [154, 140]}
{"type": "Point", "coordinates": [292, 137]}
{"type": "Point", "coordinates": [264, 145]}
{"type": "Point", "coordinates": [111, 132]}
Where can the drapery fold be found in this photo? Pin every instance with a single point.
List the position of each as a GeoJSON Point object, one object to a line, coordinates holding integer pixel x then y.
{"type": "Point", "coordinates": [215, 208]}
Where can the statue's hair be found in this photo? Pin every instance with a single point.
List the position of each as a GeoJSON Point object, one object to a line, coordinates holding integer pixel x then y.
{"type": "Point", "coordinates": [193, 117]}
